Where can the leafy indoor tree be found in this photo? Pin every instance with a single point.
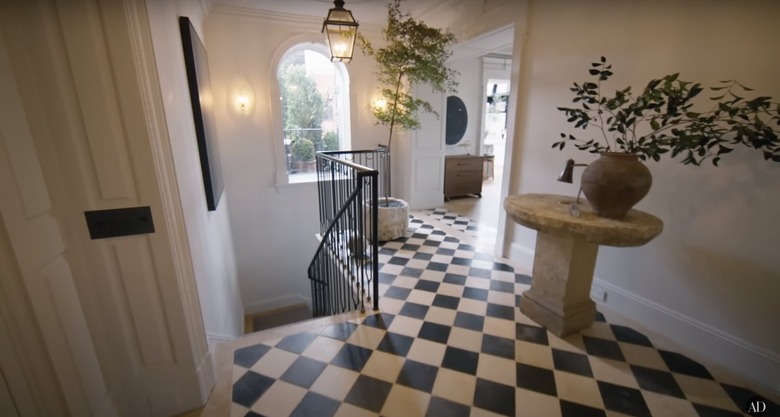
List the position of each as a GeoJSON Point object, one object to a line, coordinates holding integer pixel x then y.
{"type": "Point", "coordinates": [302, 104]}
{"type": "Point", "coordinates": [414, 54]}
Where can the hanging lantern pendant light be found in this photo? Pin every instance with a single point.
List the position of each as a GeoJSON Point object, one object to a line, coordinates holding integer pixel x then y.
{"type": "Point", "coordinates": [340, 30]}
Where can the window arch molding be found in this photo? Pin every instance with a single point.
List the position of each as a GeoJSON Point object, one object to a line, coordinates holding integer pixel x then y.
{"type": "Point", "coordinates": [291, 45]}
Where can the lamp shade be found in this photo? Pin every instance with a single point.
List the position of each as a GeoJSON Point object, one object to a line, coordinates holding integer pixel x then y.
{"type": "Point", "coordinates": [340, 30]}
{"type": "Point", "coordinates": [568, 172]}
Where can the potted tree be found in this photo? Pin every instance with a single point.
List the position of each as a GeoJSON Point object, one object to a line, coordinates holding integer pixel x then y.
{"type": "Point", "coordinates": [413, 54]}
{"type": "Point", "coordinates": [303, 155]}
{"type": "Point", "coordinates": [664, 118]}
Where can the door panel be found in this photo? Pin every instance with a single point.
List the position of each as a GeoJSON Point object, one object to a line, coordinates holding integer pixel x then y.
{"type": "Point", "coordinates": [426, 153]}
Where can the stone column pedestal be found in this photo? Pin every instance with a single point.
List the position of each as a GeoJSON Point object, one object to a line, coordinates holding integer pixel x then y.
{"type": "Point", "coordinates": [559, 297]}
{"type": "Point", "coordinates": [565, 255]}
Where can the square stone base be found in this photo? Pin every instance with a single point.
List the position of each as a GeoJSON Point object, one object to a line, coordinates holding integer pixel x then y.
{"type": "Point", "coordinates": [576, 318]}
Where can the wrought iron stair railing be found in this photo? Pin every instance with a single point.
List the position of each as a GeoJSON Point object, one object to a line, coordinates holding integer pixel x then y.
{"type": "Point", "coordinates": [344, 270]}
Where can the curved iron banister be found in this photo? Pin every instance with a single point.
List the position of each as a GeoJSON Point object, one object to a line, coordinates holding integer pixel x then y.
{"type": "Point", "coordinates": [345, 262]}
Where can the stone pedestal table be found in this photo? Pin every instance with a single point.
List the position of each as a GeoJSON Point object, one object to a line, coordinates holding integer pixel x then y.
{"type": "Point", "coordinates": [565, 255]}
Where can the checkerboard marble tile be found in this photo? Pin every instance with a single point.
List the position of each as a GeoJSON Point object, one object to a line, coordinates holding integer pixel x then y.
{"type": "Point", "coordinates": [454, 220]}
{"type": "Point", "coordinates": [449, 341]}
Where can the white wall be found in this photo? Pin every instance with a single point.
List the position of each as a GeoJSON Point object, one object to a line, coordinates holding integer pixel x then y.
{"type": "Point", "coordinates": [273, 227]}
{"type": "Point", "coordinates": [208, 232]}
{"type": "Point", "coordinates": [711, 280]}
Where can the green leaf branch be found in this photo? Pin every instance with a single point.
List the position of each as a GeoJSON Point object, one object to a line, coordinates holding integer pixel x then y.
{"type": "Point", "coordinates": [663, 119]}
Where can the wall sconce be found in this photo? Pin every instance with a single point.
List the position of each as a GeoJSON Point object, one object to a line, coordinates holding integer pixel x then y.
{"type": "Point", "coordinates": [567, 175]}
{"type": "Point", "coordinates": [241, 97]}
{"type": "Point", "coordinates": [340, 29]}
{"type": "Point", "coordinates": [242, 102]}
{"type": "Point", "coordinates": [380, 104]}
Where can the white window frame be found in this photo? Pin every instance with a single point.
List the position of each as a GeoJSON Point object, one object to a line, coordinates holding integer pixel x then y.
{"type": "Point", "coordinates": [313, 42]}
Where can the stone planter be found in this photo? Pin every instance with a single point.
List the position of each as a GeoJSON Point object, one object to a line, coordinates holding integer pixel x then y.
{"type": "Point", "coordinates": [614, 183]}
{"type": "Point", "coordinates": [393, 220]}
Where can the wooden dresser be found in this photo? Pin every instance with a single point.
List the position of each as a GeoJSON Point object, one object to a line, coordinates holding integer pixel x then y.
{"type": "Point", "coordinates": [462, 175]}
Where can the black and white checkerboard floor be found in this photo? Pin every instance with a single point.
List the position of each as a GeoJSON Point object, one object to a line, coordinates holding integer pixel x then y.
{"type": "Point", "coordinates": [450, 342]}
{"type": "Point", "coordinates": [454, 220]}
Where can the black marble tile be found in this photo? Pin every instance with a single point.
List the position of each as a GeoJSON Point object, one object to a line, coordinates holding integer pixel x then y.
{"type": "Point", "coordinates": [395, 343]}
{"type": "Point", "coordinates": [418, 375]}
{"type": "Point", "coordinates": [446, 301]}
{"type": "Point", "coordinates": [432, 243]}
{"type": "Point", "coordinates": [741, 397]}
{"type": "Point", "coordinates": [460, 360]}
{"type": "Point", "coordinates": [379, 321]}
{"type": "Point", "coordinates": [250, 387]}
{"type": "Point", "coordinates": [340, 331]}
{"type": "Point", "coordinates": [419, 236]}
{"type": "Point", "coordinates": [303, 372]}
{"type": "Point", "coordinates": [410, 247]}
{"type": "Point", "coordinates": [502, 286]}
{"type": "Point", "coordinates": [495, 397]}
{"type": "Point", "coordinates": [623, 399]}
{"type": "Point", "coordinates": [398, 293]}
{"type": "Point", "coordinates": [523, 279]}
{"type": "Point", "coordinates": [253, 414]}
{"type": "Point", "coordinates": [657, 381]}
{"type": "Point", "coordinates": [479, 272]}
{"type": "Point", "coordinates": [455, 279]}
{"type": "Point", "coordinates": [629, 335]}
{"type": "Point", "coordinates": [466, 247]}
{"type": "Point", "coordinates": [352, 357]}
{"type": "Point", "coordinates": [499, 266]}
{"type": "Point", "coordinates": [600, 317]}
{"type": "Point", "coordinates": [603, 348]}
{"type": "Point", "coordinates": [411, 272]}
{"type": "Point", "coordinates": [249, 355]}
{"type": "Point", "coordinates": [475, 294]}
{"type": "Point", "coordinates": [461, 261]}
{"type": "Point", "coordinates": [469, 321]}
{"type": "Point", "coordinates": [369, 393]}
{"type": "Point", "coordinates": [532, 334]}
{"type": "Point", "coordinates": [437, 266]}
{"type": "Point", "coordinates": [445, 251]}
{"type": "Point", "coordinates": [296, 343]}
{"type": "Point", "coordinates": [397, 260]}
{"type": "Point", "coordinates": [440, 407]}
{"type": "Point", "coordinates": [387, 251]}
{"type": "Point", "coordinates": [316, 405]}
{"type": "Point", "coordinates": [434, 332]}
{"type": "Point", "coordinates": [425, 285]}
{"type": "Point", "coordinates": [498, 346]}
{"type": "Point", "coordinates": [575, 363]}
{"type": "Point", "coordinates": [707, 411]}
{"type": "Point", "coordinates": [386, 278]}
{"type": "Point", "coordinates": [500, 311]}
{"type": "Point", "coordinates": [570, 409]}
{"type": "Point", "coordinates": [423, 256]}
{"type": "Point", "coordinates": [682, 364]}
{"type": "Point", "coordinates": [415, 310]}
{"type": "Point", "coordinates": [451, 239]}
{"type": "Point", "coordinates": [536, 379]}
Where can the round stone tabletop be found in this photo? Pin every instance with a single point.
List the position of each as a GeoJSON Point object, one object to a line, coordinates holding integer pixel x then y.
{"type": "Point", "coordinates": [545, 213]}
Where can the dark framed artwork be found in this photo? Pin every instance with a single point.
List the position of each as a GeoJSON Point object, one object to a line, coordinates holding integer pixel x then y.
{"type": "Point", "coordinates": [202, 111]}
{"type": "Point", "coordinates": [457, 120]}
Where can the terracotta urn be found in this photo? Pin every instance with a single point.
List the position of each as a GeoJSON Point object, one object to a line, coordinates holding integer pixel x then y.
{"type": "Point", "coordinates": [614, 183]}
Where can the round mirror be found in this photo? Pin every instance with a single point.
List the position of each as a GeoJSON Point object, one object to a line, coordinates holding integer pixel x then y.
{"type": "Point", "coordinates": [457, 119]}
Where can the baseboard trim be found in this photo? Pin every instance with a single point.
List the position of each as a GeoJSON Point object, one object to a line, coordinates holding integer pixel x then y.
{"type": "Point", "coordinates": [274, 303]}
{"type": "Point", "coordinates": [725, 351]}
{"type": "Point", "coordinates": [745, 359]}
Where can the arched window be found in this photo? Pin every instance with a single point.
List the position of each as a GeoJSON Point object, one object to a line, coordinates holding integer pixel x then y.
{"type": "Point", "coordinates": [314, 104]}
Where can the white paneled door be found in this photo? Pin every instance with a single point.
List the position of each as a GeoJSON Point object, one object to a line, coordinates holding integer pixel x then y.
{"type": "Point", "coordinates": [83, 130]}
{"type": "Point", "coordinates": [426, 154]}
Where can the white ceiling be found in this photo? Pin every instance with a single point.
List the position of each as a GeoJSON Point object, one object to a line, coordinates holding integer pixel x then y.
{"type": "Point", "coordinates": [441, 13]}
